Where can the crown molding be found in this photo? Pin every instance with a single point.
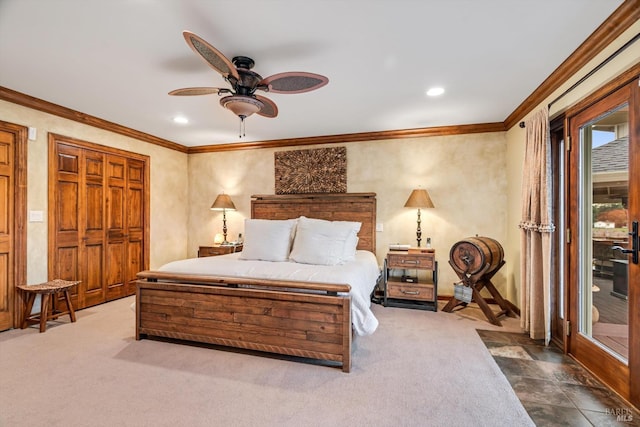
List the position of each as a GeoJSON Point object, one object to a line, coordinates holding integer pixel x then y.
{"type": "Point", "coordinates": [354, 137]}
{"type": "Point", "coordinates": [28, 101]}
{"type": "Point", "coordinates": [619, 21]}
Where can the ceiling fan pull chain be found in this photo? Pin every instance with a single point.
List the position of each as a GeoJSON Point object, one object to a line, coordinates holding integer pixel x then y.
{"type": "Point", "coordinates": [242, 127]}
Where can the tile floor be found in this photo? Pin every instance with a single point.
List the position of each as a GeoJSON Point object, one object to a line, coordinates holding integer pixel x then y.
{"type": "Point", "coordinates": [554, 389]}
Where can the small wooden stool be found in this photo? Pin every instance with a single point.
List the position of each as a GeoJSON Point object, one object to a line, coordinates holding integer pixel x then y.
{"type": "Point", "coordinates": [45, 290]}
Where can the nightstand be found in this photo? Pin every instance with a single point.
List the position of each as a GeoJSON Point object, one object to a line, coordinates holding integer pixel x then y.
{"type": "Point", "coordinates": [205, 251]}
{"type": "Point", "coordinates": [405, 283]}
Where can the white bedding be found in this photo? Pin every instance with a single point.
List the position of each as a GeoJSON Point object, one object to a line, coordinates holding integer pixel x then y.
{"type": "Point", "coordinates": [361, 274]}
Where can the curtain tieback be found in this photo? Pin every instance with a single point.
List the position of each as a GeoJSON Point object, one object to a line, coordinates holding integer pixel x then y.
{"type": "Point", "coordinates": [542, 228]}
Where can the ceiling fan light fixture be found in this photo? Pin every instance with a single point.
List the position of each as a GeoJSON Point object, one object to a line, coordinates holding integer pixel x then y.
{"type": "Point", "coordinates": [241, 105]}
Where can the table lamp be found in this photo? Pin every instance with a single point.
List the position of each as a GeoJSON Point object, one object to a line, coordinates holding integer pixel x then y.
{"type": "Point", "coordinates": [419, 199]}
{"type": "Point", "coordinates": [223, 203]}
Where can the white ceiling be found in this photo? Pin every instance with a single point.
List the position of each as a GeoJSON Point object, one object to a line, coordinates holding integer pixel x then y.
{"type": "Point", "coordinates": [117, 59]}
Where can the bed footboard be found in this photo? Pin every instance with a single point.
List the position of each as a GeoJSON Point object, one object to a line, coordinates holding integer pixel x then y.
{"type": "Point", "coordinates": [310, 320]}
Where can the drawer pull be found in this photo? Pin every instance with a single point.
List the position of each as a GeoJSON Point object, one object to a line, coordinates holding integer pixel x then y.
{"type": "Point", "coordinates": [406, 261]}
{"type": "Point", "coordinates": [410, 292]}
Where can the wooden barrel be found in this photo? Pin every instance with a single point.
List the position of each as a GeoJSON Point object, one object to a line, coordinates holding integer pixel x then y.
{"type": "Point", "coordinates": [470, 255]}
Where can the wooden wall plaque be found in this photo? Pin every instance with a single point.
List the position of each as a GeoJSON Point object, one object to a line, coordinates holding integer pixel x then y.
{"type": "Point", "coordinates": [319, 170]}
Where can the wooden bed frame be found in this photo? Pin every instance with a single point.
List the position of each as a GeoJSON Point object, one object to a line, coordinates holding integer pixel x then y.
{"type": "Point", "coordinates": [281, 317]}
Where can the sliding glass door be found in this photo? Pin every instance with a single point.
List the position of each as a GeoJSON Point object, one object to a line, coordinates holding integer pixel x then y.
{"type": "Point", "coordinates": [603, 213]}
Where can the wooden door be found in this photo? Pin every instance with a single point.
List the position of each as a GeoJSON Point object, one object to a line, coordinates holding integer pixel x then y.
{"type": "Point", "coordinates": [13, 213]}
{"type": "Point", "coordinates": [7, 229]}
{"type": "Point", "coordinates": [603, 215]}
{"type": "Point", "coordinates": [99, 220]}
{"type": "Point", "coordinates": [78, 222]}
{"type": "Point", "coordinates": [92, 245]}
{"type": "Point", "coordinates": [125, 224]}
{"type": "Point", "coordinates": [136, 222]}
{"type": "Point", "coordinates": [116, 227]}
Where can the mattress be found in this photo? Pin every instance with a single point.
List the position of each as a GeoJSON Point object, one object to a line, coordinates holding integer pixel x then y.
{"type": "Point", "coordinates": [361, 274]}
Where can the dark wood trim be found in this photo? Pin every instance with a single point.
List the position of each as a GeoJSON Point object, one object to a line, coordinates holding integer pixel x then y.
{"type": "Point", "coordinates": [559, 131]}
{"type": "Point", "coordinates": [311, 196]}
{"type": "Point", "coordinates": [9, 95]}
{"type": "Point", "coordinates": [146, 256]}
{"type": "Point", "coordinates": [354, 137]}
{"type": "Point", "coordinates": [626, 15]}
{"type": "Point", "coordinates": [20, 220]}
{"type": "Point", "coordinates": [556, 294]}
{"type": "Point", "coordinates": [568, 256]}
{"type": "Point", "coordinates": [618, 22]}
{"type": "Point", "coordinates": [68, 140]}
{"type": "Point", "coordinates": [52, 163]}
{"type": "Point", "coordinates": [634, 293]}
{"type": "Point", "coordinates": [605, 90]}
{"type": "Point", "coordinates": [603, 365]}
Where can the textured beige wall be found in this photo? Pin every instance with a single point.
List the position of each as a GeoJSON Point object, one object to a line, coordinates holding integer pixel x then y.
{"type": "Point", "coordinates": [515, 139]}
{"type": "Point", "coordinates": [465, 175]}
{"type": "Point", "coordinates": [169, 185]}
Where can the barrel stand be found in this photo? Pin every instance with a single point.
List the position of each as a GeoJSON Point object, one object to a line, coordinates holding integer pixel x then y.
{"type": "Point", "coordinates": [476, 282]}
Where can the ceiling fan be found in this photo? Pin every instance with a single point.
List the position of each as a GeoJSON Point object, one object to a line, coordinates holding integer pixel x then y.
{"type": "Point", "coordinates": [242, 100]}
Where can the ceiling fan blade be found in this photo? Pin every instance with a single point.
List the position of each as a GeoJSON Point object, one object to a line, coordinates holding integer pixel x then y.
{"type": "Point", "coordinates": [270, 109]}
{"type": "Point", "coordinates": [294, 82]}
{"type": "Point", "coordinates": [191, 91]}
{"type": "Point", "coordinates": [214, 58]}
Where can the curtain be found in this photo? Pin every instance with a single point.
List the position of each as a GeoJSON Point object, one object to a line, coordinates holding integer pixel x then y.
{"type": "Point", "coordinates": [536, 228]}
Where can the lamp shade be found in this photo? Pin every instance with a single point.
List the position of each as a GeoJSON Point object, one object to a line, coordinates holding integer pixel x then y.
{"type": "Point", "coordinates": [419, 199]}
{"type": "Point", "coordinates": [223, 202]}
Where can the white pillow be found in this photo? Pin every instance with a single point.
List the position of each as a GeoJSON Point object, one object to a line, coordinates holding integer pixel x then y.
{"type": "Point", "coordinates": [324, 242]}
{"type": "Point", "coordinates": [267, 240]}
{"type": "Point", "coordinates": [350, 247]}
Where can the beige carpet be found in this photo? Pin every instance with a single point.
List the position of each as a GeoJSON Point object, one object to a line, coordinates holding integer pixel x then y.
{"type": "Point", "coordinates": [419, 369]}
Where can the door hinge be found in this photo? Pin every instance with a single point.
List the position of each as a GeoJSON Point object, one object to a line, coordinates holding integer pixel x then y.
{"type": "Point", "coordinates": [568, 328]}
{"type": "Point", "coordinates": [568, 143]}
{"type": "Point", "coordinates": [568, 235]}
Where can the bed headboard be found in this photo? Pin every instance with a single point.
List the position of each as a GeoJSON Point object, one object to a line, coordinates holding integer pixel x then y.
{"type": "Point", "coordinates": [359, 207]}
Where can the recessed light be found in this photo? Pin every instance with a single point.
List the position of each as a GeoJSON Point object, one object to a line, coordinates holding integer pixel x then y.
{"type": "Point", "coordinates": [180, 120]}
{"type": "Point", "coordinates": [435, 91]}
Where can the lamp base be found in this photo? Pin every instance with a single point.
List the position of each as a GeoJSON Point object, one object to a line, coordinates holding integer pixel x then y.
{"type": "Point", "coordinates": [418, 230]}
